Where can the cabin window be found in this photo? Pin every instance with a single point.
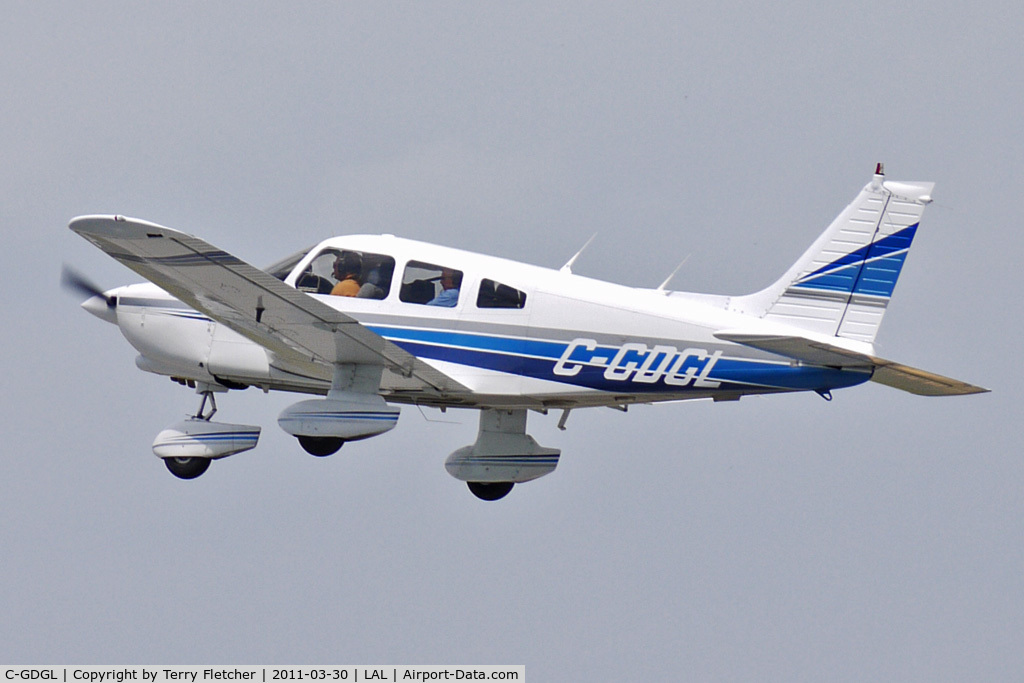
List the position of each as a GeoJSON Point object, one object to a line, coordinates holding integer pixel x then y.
{"type": "Point", "coordinates": [496, 295]}
{"type": "Point", "coordinates": [431, 285]}
{"type": "Point", "coordinates": [283, 268]}
{"type": "Point", "coordinates": [345, 272]}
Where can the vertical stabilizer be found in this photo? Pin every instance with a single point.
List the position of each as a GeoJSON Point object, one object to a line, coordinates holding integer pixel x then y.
{"type": "Point", "coordinates": [842, 284]}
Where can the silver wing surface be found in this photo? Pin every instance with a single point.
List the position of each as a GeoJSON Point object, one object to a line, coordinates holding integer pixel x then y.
{"type": "Point", "coordinates": [295, 327]}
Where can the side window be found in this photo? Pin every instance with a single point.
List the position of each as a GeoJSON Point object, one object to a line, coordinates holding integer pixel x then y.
{"type": "Point", "coordinates": [345, 272]}
{"type": "Point", "coordinates": [425, 283]}
{"type": "Point", "coordinates": [496, 295]}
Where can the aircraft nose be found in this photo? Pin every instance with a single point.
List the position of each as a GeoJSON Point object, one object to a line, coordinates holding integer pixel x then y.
{"type": "Point", "coordinates": [98, 305]}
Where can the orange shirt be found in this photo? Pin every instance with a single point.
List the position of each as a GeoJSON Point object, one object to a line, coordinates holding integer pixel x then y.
{"type": "Point", "coordinates": [347, 287]}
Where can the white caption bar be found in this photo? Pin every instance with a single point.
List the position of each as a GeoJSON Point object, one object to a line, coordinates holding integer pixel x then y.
{"type": "Point", "coordinates": [258, 674]}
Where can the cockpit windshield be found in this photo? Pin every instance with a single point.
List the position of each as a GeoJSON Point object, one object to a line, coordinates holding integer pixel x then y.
{"type": "Point", "coordinates": [284, 267]}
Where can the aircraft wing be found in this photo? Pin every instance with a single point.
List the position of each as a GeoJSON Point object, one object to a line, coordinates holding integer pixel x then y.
{"type": "Point", "coordinates": [292, 324]}
{"type": "Point", "coordinates": [889, 373]}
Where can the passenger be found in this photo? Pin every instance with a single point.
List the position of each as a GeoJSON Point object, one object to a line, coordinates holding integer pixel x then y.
{"type": "Point", "coordinates": [451, 280]}
{"type": "Point", "coordinates": [347, 267]}
{"type": "Point", "coordinates": [372, 288]}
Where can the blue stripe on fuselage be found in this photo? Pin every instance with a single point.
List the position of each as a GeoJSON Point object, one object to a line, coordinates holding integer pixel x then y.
{"type": "Point", "coordinates": [538, 359]}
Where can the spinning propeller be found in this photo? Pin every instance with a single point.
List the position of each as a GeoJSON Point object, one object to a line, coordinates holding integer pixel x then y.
{"type": "Point", "coordinates": [76, 282]}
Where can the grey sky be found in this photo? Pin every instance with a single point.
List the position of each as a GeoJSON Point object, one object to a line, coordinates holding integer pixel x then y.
{"type": "Point", "coordinates": [876, 537]}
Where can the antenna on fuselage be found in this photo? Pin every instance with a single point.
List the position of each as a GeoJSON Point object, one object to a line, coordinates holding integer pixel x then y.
{"type": "Point", "coordinates": [567, 268]}
{"type": "Point", "coordinates": [663, 285]}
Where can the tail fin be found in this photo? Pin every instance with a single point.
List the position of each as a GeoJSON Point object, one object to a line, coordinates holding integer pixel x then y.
{"type": "Point", "coordinates": [841, 285]}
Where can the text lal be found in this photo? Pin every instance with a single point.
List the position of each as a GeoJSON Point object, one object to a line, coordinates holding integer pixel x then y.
{"type": "Point", "coordinates": [411, 675]}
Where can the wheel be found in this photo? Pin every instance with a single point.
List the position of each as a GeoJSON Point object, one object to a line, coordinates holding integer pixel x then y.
{"type": "Point", "coordinates": [320, 446]}
{"type": "Point", "coordinates": [490, 491]}
{"type": "Point", "coordinates": [187, 468]}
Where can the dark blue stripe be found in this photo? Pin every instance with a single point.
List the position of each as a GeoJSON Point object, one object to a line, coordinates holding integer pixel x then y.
{"type": "Point", "coordinates": [733, 374]}
{"type": "Point", "coordinates": [872, 269]}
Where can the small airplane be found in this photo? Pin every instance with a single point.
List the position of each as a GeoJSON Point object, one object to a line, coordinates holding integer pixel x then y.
{"type": "Point", "coordinates": [369, 322]}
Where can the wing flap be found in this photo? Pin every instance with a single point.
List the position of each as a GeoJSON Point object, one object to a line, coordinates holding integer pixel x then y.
{"type": "Point", "coordinates": [291, 324]}
{"type": "Point", "coordinates": [889, 373]}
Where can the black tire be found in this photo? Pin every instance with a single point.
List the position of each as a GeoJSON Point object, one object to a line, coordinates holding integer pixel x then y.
{"type": "Point", "coordinates": [490, 491]}
{"type": "Point", "coordinates": [320, 446]}
{"type": "Point", "coordinates": [187, 468]}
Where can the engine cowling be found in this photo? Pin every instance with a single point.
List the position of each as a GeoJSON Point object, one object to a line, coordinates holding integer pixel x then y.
{"type": "Point", "coordinates": [348, 416]}
{"type": "Point", "coordinates": [198, 438]}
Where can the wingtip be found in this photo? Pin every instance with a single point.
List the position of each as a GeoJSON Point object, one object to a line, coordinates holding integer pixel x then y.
{"type": "Point", "coordinates": [92, 223]}
{"type": "Point", "coordinates": [116, 226]}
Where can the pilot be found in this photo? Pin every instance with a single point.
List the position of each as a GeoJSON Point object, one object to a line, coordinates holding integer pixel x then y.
{"type": "Point", "coordinates": [347, 267]}
{"type": "Point", "coordinates": [451, 280]}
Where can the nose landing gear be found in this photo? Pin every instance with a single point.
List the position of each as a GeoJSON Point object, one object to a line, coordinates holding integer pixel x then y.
{"type": "Point", "coordinates": [187, 468]}
{"type": "Point", "coordinates": [187, 447]}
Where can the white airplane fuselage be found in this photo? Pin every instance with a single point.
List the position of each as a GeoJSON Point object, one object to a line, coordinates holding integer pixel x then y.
{"type": "Point", "coordinates": [574, 342]}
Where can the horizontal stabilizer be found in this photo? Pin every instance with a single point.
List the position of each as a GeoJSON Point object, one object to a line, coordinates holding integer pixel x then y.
{"type": "Point", "coordinates": [921, 382]}
{"type": "Point", "coordinates": [816, 352]}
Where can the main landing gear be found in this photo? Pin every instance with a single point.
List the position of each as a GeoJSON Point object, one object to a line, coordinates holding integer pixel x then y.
{"type": "Point", "coordinates": [502, 455]}
{"type": "Point", "coordinates": [351, 411]}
